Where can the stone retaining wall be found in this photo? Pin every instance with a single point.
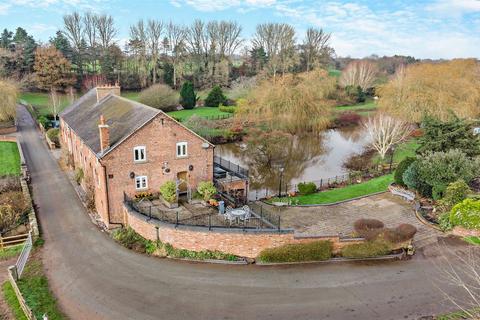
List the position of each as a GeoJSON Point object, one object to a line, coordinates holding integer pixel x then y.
{"type": "Point", "coordinates": [243, 243]}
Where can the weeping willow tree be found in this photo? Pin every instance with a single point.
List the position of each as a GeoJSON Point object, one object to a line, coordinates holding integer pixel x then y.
{"type": "Point", "coordinates": [293, 103]}
{"type": "Point", "coordinates": [433, 89]}
{"type": "Point", "coordinates": [8, 100]}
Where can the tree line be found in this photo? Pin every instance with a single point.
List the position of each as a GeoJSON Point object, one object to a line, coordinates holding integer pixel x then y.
{"type": "Point", "coordinates": [205, 53]}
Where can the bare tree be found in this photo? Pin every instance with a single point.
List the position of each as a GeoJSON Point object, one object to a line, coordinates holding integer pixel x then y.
{"type": "Point", "coordinates": [199, 41]}
{"type": "Point", "coordinates": [154, 32]}
{"type": "Point", "coordinates": [73, 28]}
{"type": "Point", "coordinates": [359, 73]}
{"type": "Point", "coordinates": [315, 48]}
{"type": "Point", "coordinates": [287, 46]}
{"type": "Point", "coordinates": [106, 31]}
{"type": "Point", "coordinates": [385, 132]}
{"type": "Point", "coordinates": [278, 41]}
{"type": "Point", "coordinates": [176, 46]}
{"type": "Point", "coordinates": [90, 26]}
{"type": "Point", "coordinates": [460, 269]}
{"type": "Point", "coordinates": [138, 41]}
{"type": "Point", "coordinates": [267, 36]}
{"type": "Point", "coordinates": [229, 38]}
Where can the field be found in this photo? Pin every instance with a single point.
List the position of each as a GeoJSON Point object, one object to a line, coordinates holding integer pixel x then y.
{"type": "Point", "coordinates": [205, 112]}
{"type": "Point", "coordinates": [9, 159]}
{"type": "Point", "coordinates": [41, 102]}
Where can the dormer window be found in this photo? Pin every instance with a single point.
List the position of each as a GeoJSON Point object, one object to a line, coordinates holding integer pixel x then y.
{"type": "Point", "coordinates": [139, 154]}
{"type": "Point", "coordinates": [181, 149]}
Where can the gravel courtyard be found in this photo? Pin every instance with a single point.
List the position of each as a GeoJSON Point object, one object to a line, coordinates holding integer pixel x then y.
{"type": "Point", "coordinates": [339, 219]}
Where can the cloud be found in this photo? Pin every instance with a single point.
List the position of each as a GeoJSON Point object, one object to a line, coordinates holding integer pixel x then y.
{"type": "Point", "coordinates": [4, 7]}
{"type": "Point", "coordinates": [220, 5]}
{"type": "Point", "coordinates": [359, 30]}
{"type": "Point", "coordinates": [454, 7]}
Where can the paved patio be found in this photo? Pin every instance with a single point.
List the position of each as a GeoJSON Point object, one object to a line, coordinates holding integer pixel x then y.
{"type": "Point", "coordinates": [339, 219]}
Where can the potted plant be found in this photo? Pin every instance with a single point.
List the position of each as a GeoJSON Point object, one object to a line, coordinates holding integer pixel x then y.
{"type": "Point", "coordinates": [168, 192]}
{"type": "Point", "coordinates": [206, 189]}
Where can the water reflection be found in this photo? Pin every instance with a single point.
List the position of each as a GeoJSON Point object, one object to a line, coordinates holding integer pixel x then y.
{"type": "Point", "coordinates": [305, 158]}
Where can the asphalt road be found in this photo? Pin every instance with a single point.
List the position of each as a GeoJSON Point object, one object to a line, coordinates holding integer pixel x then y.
{"type": "Point", "coordinates": [95, 278]}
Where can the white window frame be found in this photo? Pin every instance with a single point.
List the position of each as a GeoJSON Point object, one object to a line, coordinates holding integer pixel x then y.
{"type": "Point", "coordinates": [139, 148]}
{"type": "Point", "coordinates": [142, 181]}
{"type": "Point", "coordinates": [181, 145]}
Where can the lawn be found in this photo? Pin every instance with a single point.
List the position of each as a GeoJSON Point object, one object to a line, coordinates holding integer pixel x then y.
{"type": "Point", "coordinates": [37, 294]}
{"type": "Point", "coordinates": [473, 240]}
{"type": "Point", "coordinates": [41, 102]}
{"type": "Point", "coordinates": [132, 95]}
{"type": "Point", "coordinates": [369, 105]}
{"type": "Point", "coordinates": [9, 159]}
{"type": "Point", "coordinates": [10, 252]}
{"type": "Point", "coordinates": [204, 112]}
{"type": "Point", "coordinates": [349, 192]}
{"type": "Point", "coordinates": [402, 151]}
{"type": "Point", "coordinates": [12, 301]}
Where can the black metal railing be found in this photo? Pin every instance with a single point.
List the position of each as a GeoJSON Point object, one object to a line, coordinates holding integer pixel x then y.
{"type": "Point", "coordinates": [260, 219]}
{"type": "Point", "coordinates": [230, 167]}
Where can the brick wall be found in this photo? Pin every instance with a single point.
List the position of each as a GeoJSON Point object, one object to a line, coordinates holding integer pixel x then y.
{"type": "Point", "coordinates": [93, 170]}
{"type": "Point", "coordinates": [8, 130]}
{"type": "Point", "coordinates": [159, 137]}
{"type": "Point", "coordinates": [241, 243]}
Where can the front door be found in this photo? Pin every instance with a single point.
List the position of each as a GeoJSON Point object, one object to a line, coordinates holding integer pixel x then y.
{"type": "Point", "coordinates": [182, 182]}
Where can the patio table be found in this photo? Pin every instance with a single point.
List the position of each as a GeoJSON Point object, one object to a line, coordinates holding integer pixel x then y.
{"type": "Point", "coordinates": [237, 213]}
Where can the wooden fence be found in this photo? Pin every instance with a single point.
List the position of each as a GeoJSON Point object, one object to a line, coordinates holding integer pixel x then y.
{"type": "Point", "coordinates": [23, 304]}
{"type": "Point", "coordinates": [6, 242]}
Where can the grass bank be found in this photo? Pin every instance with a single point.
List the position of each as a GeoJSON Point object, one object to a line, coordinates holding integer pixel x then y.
{"type": "Point", "coordinates": [402, 151]}
{"type": "Point", "coordinates": [9, 159]}
{"type": "Point", "coordinates": [369, 105]}
{"type": "Point", "coordinates": [372, 186]}
{"type": "Point", "coordinates": [12, 301]}
{"type": "Point", "coordinates": [41, 102]}
{"type": "Point", "coordinates": [35, 290]}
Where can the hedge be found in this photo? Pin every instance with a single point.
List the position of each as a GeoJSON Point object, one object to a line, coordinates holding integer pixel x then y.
{"type": "Point", "coordinates": [367, 249]}
{"type": "Point", "coordinates": [312, 251]}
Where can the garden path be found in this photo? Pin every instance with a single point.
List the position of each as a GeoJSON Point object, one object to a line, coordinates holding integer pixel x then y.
{"type": "Point", "coordinates": [339, 219]}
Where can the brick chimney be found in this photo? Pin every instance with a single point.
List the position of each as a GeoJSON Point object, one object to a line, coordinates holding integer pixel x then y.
{"type": "Point", "coordinates": [104, 134]}
{"type": "Point", "coordinates": [103, 91]}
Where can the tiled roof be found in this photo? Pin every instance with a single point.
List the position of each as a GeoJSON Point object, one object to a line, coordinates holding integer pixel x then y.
{"type": "Point", "coordinates": [122, 115]}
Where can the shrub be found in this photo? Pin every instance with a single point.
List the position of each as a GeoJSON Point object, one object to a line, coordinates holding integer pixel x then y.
{"type": "Point", "coordinates": [444, 221]}
{"type": "Point", "coordinates": [188, 97]}
{"type": "Point", "coordinates": [78, 175]}
{"type": "Point", "coordinates": [456, 192]}
{"type": "Point", "coordinates": [43, 121]}
{"type": "Point", "coordinates": [168, 190]}
{"type": "Point", "coordinates": [366, 249]}
{"type": "Point", "coordinates": [360, 162]}
{"type": "Point", "coordinates": [206, 189]}
{"type": "Point", "coordinates": [402, 233]}
{"type": "Point", "coordinates": [229, 109]}
{"type": "Point", "coordinates": [413, 181]}
{"type": "Point", "coordinates": [159, 96]}
{"type": "Point", "coordinates": [368, 228]}
{"type": "Point", "coordinates": [466, 214]}
{"type": "Point", "coordinates": [132, 240]}
{"type": "Point", "coordinates": [53, 134]}
{"type": "Point", "coordinates": [439, 169]}
{"type": "Point", "coordinates": [13, 208]}
{"type": "Point", "coordinates": [313, 251]}
{"type": "Point", "coordinates": [402, 167]}
{"type": "Point", "coordinates": [215, 97]}
{"type": "Point", "coordinates": [405, 232]}
{"type": "Point", "coordinates": [348, 118]}
{"type": "Point", "coordinates": [307, 187]}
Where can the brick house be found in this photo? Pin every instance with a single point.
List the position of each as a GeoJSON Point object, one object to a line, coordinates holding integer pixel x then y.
{"type": "Point", "coordinates": [125, 146]}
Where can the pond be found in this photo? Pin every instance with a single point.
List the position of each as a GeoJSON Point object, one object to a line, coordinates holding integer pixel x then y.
{"type": "Point", "coordinates": [304, 158]}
